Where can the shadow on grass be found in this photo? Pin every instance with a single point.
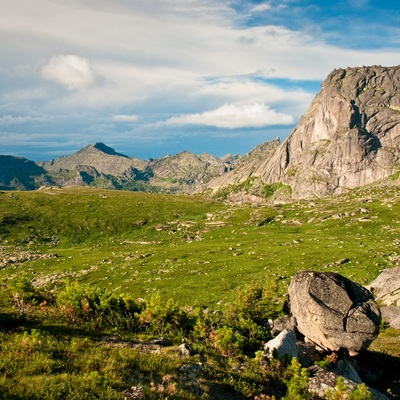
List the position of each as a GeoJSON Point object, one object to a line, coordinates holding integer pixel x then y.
{"type": "Point", "coordinates": [380, 371]}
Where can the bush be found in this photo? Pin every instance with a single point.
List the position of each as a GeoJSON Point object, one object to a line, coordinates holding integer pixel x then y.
{"type": "Point", "coordinates": [162, 317]}
{"type": "Point", "coordinates": [88, 303]}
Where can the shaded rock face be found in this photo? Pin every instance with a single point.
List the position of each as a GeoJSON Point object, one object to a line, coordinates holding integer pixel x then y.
{"type": "Point", "coordinates": [349, 137]}
{"type": "Point", "coordinates": [334, 312]}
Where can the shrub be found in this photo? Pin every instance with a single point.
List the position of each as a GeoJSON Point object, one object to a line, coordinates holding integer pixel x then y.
{"type": "Point", "coordinates": [297, 382]}
{"type": "Point", "coordinates": [89, 303]}
{"type": "Point", "coordinates": [162, 317]}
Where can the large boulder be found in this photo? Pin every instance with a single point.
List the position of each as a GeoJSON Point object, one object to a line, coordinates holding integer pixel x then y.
{"type": "Point", "coordinates": [334, 312]}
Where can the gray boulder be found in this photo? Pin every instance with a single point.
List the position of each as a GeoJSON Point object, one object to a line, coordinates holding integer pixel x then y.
{"type": "Point", "coordinates": [334, 312]}
{"type": "Point", "coordinates": [284, 345]}
{"type": "Point", "coordinates": [386, 287]}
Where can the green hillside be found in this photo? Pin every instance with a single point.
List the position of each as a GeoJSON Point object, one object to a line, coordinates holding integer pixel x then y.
{"type": "Point", "coordinates": [92, 281]}
{"type": "Point", "coordinates": [192, 248]}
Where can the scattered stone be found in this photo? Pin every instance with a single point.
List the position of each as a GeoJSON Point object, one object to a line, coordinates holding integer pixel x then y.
{"type": "Point", "coordinates": [284, 345]}
{"type": "Point", "coordinates": [334, 312]}
{"type": "Point", "coordinates": [8, 257]}
{"type": "Point", "coordinates": [185, 349]}
{"type": "Point", "coordinates": [134, 393]}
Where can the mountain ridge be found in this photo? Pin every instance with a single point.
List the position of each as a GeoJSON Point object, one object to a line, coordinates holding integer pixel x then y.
{"type": "Point", "coordinates": [348, 137]}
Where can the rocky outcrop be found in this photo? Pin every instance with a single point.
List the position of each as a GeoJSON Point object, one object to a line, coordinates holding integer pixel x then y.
{"type": "Point", "coordinates": [250, 165]}
{"type": "Point", "coordinates": [333, 312]}
{"type": "Point", "coordinates": [349, 137]}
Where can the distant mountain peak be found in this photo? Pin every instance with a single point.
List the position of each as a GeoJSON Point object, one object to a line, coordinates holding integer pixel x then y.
{"type": "Point", "coordinates": [106, 149]}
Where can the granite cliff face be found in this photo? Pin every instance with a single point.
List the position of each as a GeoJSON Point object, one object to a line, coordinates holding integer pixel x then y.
{"type": "Point", "coordinates": [349, 137]}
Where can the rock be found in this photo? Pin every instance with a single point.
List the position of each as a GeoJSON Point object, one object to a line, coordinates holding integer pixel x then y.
{"type": "Point", "coordinates": [284, 345]}
{"type": "Point", "coordinates": [321, 382]}
{"type": "Point", "coordinates": [346, 369]}
{"type": "Point", "coordinates": [134, 393]}
{"type": "Point", "coordinates": [334, 312]}
{"type": "Point", "coordinates": [391, 314]}
{"type": "Point", "coordinates": [386, 287]}
{"type": "Point", "coordinates": [348, 137]}
{"type": "Point", "coordinates": [191, 371]}
{"type": "Point", "coordinates": [281, 323]}
{"type": "Point", "coordinates": [185, 349]}
{"type": "Point", "coordinates": [162, 341]}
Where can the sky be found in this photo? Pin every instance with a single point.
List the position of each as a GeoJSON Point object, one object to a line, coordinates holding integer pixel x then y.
{"type": "Point", "coordinates": [156, 77]}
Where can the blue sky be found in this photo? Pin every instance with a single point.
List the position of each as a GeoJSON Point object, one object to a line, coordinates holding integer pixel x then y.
{"type": "Point", "coordinates": [156, 77]}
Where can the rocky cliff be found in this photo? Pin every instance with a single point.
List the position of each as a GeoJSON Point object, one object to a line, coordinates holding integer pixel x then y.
{"type": "Point", "coordinates": [349, 137]}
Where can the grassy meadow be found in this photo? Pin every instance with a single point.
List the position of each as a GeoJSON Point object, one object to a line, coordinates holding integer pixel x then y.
{"type": "Point", "coordinates": [191, 248]}
{"type": "Point", "coordinates": [195, 250]}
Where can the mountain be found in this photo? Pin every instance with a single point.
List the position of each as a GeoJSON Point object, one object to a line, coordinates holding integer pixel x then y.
{"type": "Point", "coordinates": [99, 156]}
{"type": "Point", "coordinates": [101, 166]}
{"type": "Point", "coordinates": [186, 171]}
{"type": "Point", "coordinates": [247, 166]}
{"type": "Point", "coordinates": [349, 137]}
{"type": "Point", "coordinates": [21, 174]}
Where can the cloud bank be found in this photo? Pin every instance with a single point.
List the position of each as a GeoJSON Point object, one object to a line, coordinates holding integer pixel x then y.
{"type": "Point", "coordinates": [232, 116]}
{"type": "Point", "coordinates": [180, 65]}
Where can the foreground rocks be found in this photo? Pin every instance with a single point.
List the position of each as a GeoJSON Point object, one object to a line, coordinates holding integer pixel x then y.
{"type": "Point", "coordinates": [334, 312]}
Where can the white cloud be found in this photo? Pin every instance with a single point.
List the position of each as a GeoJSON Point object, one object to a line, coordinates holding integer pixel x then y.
{"type": "Point", "coordinates": [261, 7]}
{"type": "Point", "coordinates": [236, 116]}
{"type": "Point", "coordinates": [21, 119]}
{"type": "Point", "coordinates": [72, 71]}
{"type": "Point", "coordinates": [125, 118]}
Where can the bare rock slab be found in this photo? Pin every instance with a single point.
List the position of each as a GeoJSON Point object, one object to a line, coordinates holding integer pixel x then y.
{"type": "Point", "coordinates": [334, 312]}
